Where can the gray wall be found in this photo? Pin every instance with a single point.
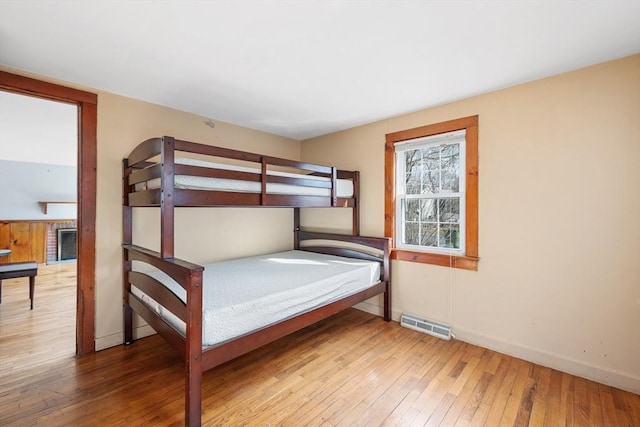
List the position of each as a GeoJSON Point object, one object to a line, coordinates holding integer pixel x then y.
{"type": "Point", "coordinates": [24, 184]}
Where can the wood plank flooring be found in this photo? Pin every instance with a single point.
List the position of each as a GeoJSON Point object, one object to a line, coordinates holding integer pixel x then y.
{"type": "Point", "coordinates": [350, 370]}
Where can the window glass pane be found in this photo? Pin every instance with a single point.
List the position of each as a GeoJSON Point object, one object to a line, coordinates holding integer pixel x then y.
{"type": "Point", "coordinates": [412, 210]}
{"type": "Point", "coordinates": [413, 172]}
{"type": "Point", "coordinates": [413, 185]}
{"type": "Point", "coordinates": [411, 233]}
{"type": "Point", "coordinates": [431, 182]}
{"type": "Point", "coordinates": [450, 180]}
{"type": "Point", "coordinates": [412, 159]}
{"type": "Point", "coordinates": [450, 156]}
{"type": "Point", "coordinates": [429, 235]}
{"type": "Point", "coordinates": [431, 170]}
{"type": "Point", "coordinates": [428, 210]}
{"type": "Point", "coordinates": [449, 210]}
{"type": "Point", "coordinates": [449, 236]}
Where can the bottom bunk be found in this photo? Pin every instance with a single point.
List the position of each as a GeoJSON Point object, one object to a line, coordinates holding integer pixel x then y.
{"type": "Point", "coordinates": [215, 313]}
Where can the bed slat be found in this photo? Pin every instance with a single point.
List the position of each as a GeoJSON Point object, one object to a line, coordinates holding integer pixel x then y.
{"type": "Point", "coordinates": [212, 172]}
{"type": "Point", "coordinates": [145, 174]}
{"type": "Point", "coordinates": [214, 198]}
{"type": "Point", "coordinates": [207, 172]}
{"type": "Point", "coordinates": [192, 147]}
{"type": "Point", "coordinates": [343, 252]}
{"type": "Point", "coordinates": [172, 336]}
{"type": "Point", "coordinates": [145, 198]}
{"type": "Point", "coordinates": [179, 270]}
{"type": "Point", "coordinates": [232, 198]}
{"type": "Point", "coordinates": [210, 150]}
{"type": "Point", "coordinates": [144, 151]}
{"type": "Point", "coordinates": [298, 181]}
{"type": "Point", "coordinates": [325, 170]}
{"type": "Point", "coordinates": [381, 243]}
{"type": "Point", "coordinates": [297, 201]}
{"type": "Point", "coordinates": [216, 173]}
{"type": "Point", "coordinates": [159, 293]}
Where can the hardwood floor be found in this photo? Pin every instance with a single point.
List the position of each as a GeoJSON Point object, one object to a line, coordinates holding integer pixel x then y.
{"type": "Point", "coordinates": [47, 331]}
{"type": "Point", "coordinates": [350, 370]}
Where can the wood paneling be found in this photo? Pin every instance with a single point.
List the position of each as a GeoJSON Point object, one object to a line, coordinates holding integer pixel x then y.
{"type": "Point", "coordinates": [5, 240]}
{"type": "Point", "coordinates": [25, 239]}
{"type": "Point", "coordinates": [38, 241]}
{"type": "Point", "coordinates": [351, 369]}
{"type": "Point", "coordinates": [19, 242]}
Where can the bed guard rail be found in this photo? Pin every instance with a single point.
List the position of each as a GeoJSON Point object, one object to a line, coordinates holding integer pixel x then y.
{"type": "Point", "coordinates": [187, 275]}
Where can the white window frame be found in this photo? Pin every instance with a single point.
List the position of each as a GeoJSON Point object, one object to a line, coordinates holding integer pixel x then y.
{"type": "Point", "coordinates": [448, 138]}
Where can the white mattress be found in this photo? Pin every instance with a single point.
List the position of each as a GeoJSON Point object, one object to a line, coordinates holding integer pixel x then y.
{"type": "Point", "coordinates": [344, 187]}
{"type": "Point", "coordinates": [243, 295]}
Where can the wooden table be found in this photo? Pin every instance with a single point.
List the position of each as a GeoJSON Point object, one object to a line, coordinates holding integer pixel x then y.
{"type": "Point", "coordinates": [20, 269]}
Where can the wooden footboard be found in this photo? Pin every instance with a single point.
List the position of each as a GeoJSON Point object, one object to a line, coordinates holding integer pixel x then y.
{"type": "Point", "coordinates": [376, 249]}
{"type": "Point", "coordinates": [189, 276]}
{"type": "Point", "coordinates": [186, 274]}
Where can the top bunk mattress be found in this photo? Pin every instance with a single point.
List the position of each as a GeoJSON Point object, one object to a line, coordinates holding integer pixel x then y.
{"type": "Point", "coordinates": [243, 295]}
{"type": "Point", "coordinates": [344, 187]}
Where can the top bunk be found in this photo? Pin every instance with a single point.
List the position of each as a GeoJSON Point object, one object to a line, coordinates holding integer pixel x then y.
{"type": "Point", "coordinates": [169, 172]}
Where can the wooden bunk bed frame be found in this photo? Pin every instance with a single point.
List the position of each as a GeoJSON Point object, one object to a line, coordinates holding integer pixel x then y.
{"type": "Point", "coordinates": [140, 166]}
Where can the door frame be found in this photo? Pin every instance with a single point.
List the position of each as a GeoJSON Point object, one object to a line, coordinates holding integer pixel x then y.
{"type": "Point", "coordinates": [87, 104]}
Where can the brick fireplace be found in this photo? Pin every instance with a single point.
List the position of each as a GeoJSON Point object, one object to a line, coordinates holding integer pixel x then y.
{"type": "Point", "coordinates": [53, 228]}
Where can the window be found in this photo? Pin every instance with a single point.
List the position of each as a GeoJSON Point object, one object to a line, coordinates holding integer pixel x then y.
{"type": "Point", "coordinates": [431, 193]}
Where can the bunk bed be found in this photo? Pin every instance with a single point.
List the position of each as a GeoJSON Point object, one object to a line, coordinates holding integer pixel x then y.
{"type": "Point", "coordinates": [171, 294]}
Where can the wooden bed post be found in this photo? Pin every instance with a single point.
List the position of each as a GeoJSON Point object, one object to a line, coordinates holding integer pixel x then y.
{"type": "Point", "coordinates": [193, 352]}
{"type": "Point", "coordinates": [334, 187]}
{"type": "Point", "coordinates": [356, 203]}
{"type": "Point", "coordinates": [386, 265]}
{"type": "Point", "coordinates": [127, 238]}
{"type": "Point", "coordinates": [263, 181]}
{"type": "Point", "coordinates": [167, 158]}
{"type": "Point", "coordinates": [296, 228]}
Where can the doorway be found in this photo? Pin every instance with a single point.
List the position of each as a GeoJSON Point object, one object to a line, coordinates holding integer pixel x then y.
{"type": "Point", "coordinates": [86, 201]}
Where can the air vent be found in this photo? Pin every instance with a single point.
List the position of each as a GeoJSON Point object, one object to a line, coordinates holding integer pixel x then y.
{"type": "Point", "coordinates": [425, 325]}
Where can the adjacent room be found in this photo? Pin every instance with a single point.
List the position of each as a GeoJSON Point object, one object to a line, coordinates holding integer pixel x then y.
{"type": "Point", "coordinates": [38, 225]}
{"type": "Point", "coordinates": [380, 213]}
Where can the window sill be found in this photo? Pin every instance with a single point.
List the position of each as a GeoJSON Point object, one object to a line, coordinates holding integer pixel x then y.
{"type": "Point", "coordinates": [455, 261]}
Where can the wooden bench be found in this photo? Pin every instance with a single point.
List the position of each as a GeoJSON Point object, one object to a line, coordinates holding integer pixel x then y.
{"type": "Point", "coordinates": [20, 269]}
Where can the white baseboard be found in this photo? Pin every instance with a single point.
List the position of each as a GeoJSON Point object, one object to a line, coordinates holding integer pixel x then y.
{"type": "Point", "coordinates": [621, 380]}
{"type": "Point", "coordinates": [113, 340]}
{"type": "Point", "coordinates": [616, 379]}
{"type": "Point", "coordinates": [376, 310]}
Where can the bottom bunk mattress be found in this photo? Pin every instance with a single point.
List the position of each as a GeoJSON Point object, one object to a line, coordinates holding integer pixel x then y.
{"type": "Point", "coordinates": [243, 295]}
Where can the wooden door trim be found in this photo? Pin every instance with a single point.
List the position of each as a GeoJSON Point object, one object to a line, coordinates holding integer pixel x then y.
{"type": "Point", "coordinates": [87, 104]}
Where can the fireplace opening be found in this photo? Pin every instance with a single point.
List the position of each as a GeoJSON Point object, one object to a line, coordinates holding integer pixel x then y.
{"type": "Point", "coordinates": [67, 244]}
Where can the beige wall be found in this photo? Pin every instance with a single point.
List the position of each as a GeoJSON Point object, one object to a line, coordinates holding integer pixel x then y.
{"type": "Point", "coordinates": [559, 276]}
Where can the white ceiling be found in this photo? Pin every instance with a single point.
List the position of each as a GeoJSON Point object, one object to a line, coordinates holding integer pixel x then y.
{"type": "Point", "coordinates": [306, 68]}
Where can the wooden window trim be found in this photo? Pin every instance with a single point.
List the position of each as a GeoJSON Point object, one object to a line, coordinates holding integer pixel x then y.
{"type": "Point", "coordinates": [469, 261]}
